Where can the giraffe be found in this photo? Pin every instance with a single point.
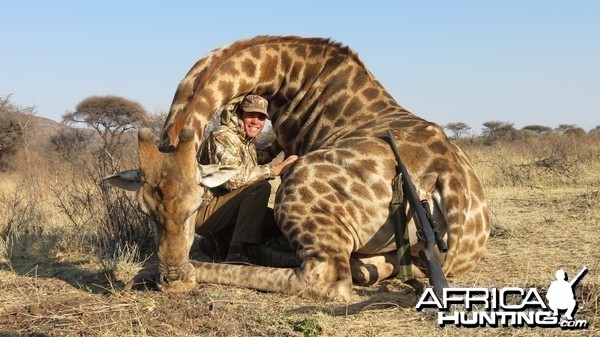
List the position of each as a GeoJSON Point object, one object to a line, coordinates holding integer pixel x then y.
{"type": "Point", "coordinates": [333, 205]}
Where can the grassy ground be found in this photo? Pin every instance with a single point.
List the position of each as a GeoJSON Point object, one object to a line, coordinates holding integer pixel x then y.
{"type": "Point", "coordinates": [536, 230]}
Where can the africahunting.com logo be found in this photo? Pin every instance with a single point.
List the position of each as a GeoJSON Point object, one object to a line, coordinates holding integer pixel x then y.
{"type": "Point", "coordinates": [508, 307]}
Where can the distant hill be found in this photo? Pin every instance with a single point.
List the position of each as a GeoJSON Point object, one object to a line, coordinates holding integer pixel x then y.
{"type": "Point", "coordinates": [44, 129]}
{"type": "Point", "coordinates": [50, 125]}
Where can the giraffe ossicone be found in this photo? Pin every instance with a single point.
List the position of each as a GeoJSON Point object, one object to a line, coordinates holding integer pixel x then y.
{"type": "Point", "coordinates": [333, 205]}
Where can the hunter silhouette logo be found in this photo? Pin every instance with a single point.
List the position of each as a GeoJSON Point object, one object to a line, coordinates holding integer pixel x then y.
{"type": "Point", "coordinates": [561, 293]}
{"type": "Point", "coordinates": [508, 307]}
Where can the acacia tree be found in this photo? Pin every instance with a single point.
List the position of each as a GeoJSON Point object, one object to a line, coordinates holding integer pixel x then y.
{"type": "Point", "coordinates": [111, 117]}
{"type": "Point", "coordinates": [539, 129]}
{"type": "Point", "coordinates": [494, 130]}
{"type": "Point", "coordinates": [458, 129]}
{"type": "Point", "coordinates": [570, 129]}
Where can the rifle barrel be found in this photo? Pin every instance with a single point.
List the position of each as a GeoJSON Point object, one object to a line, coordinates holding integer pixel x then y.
{"type": "Point", "coordinates": [437, 279]}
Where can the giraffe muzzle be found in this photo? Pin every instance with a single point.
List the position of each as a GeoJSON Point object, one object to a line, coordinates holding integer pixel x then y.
{"type": "Point", "coordinates": [179, 278]}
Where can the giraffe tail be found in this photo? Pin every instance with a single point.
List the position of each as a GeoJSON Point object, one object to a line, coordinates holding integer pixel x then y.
{"type": "Point", "coordinates": [452, 209]}
{"type": "Point", "coordinates": [462, 207]}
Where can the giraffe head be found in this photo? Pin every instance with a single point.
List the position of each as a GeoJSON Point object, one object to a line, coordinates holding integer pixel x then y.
{"type": "Point", "coordinates": [169, 191]}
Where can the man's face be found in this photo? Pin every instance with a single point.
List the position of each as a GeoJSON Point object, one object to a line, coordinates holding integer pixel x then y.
{"type": "Point", "coordinates": [253, 123]}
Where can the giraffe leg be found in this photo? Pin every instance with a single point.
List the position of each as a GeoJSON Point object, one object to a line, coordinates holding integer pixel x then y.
{"type": "Point", "coordinates": [371, 269]}
{"type": "Point", "coordinates": [272, 256]}
{"type": "Point", "coordinates": [326, 279]}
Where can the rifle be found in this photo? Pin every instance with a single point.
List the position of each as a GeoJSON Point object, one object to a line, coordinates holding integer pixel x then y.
{"type": "Point", "coordinates": [426, 228]}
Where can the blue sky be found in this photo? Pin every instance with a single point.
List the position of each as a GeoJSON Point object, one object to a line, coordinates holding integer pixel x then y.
{"type": "Point", "coordinates": [525, 62]}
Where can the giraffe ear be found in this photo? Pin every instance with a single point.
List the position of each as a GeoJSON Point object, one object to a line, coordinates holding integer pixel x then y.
{"type": "Point", "coordinates": [215, 175]}
{"type": "Point", "coordinates": [129, 180]}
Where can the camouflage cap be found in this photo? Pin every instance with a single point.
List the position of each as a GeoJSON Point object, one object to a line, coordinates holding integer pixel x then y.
{"type": "Point", "coordinates": [255, 103]}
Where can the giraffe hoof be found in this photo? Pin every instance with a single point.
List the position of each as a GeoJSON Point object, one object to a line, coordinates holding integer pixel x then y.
{"type": "Point", "coordinates": [365, 275]}
{"type": "Point", "coordinates": [342, 298]}
{"type": "Point", "coordinates": [339, 292]}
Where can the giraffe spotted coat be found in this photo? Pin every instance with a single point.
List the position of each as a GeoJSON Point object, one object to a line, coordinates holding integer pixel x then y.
{"type": "Point", "coordinates": [333, 206]}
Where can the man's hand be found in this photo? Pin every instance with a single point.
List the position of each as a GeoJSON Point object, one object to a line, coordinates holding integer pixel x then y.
{"type": "Point", "coordinates": [285, 165]}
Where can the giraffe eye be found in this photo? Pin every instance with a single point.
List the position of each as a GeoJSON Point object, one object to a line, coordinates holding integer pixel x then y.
{"type": "Point", "coordinates": [166, 189]}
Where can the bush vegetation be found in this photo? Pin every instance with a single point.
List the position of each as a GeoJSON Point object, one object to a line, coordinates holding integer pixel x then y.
{"type": "Point", "coordinates": [552, 160]}
{"type": "Point", "coordinates": [53, 200]}
{"type": "Point", "coordinates": [533, 156]}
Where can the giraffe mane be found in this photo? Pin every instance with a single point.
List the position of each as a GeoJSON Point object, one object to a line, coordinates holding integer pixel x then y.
{"type": "Point", "coordinates": [171, 132]}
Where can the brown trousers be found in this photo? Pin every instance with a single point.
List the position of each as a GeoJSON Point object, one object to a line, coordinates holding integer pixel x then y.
{"type": "Point", "coordinates": [240, 216]}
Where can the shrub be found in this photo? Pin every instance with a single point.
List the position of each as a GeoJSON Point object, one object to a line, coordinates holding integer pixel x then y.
{"type": "Point", "coordinates": [22, 222]}
{"type": "Point", "coordinates": [107, 218]}
{"type": "Point", "coordinates": [552, 160]}
{"type": "Point", "coordinates": [71, 143]}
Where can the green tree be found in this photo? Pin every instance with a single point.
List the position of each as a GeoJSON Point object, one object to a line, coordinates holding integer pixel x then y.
{"type": "Point", "coordinates": [496, 130]}
{"type": "Point", "coordinates": [539, 129]}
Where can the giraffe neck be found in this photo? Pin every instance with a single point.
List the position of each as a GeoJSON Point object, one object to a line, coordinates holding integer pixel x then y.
{"type": "Point", "coordinates": [316, 89]}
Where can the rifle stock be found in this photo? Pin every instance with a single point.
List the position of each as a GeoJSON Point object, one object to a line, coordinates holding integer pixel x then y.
{"type": "Point", "coordinates": [424, 224]}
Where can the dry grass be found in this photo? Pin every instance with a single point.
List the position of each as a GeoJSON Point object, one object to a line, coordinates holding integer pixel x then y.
{"type": "Point", "coordinates": [554, 160]}
{"type": "Point", "coordinates": [59, 283]}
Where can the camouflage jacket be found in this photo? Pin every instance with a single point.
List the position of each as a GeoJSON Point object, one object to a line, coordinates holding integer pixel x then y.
{"type": "Point", "coordinates": [227, 145]}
